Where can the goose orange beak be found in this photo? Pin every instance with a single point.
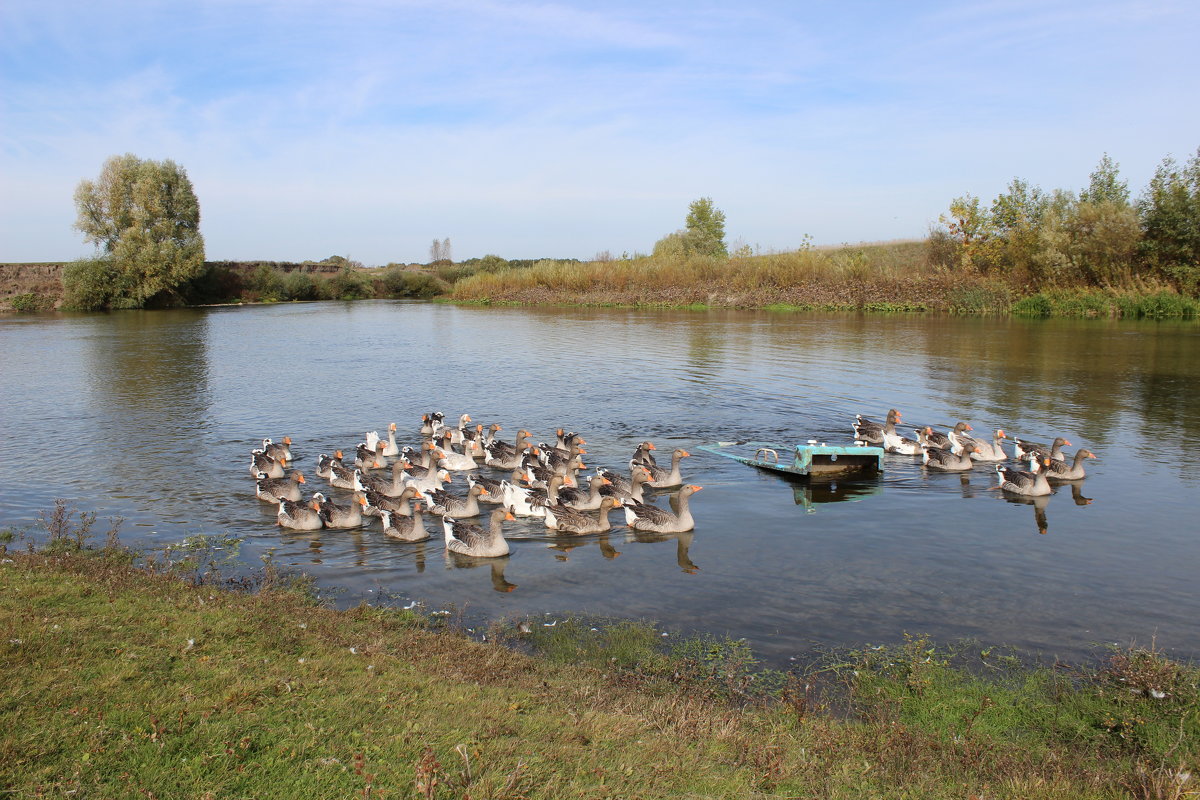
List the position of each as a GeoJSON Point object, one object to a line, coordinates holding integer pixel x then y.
{"type": "Point", "coordinates": [299, 479]}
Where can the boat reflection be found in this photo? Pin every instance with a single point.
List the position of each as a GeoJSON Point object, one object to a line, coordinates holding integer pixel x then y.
{"type": "Point", "coordinates": [813, 493]}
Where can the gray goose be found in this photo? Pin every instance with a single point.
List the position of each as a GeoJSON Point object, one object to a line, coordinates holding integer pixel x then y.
{"type": "Point", "coordinates": [574, 497]}
{"type": "Point", "coordinates": [261, 462]}
{"type": "Point", "coordinates": [871, 432]}
{"type": "Point", "coordinates": [632, 488]}
{"type": "Point", "coordinates": [366, 458]}
{"type": "Point", "coordinates": [1061, 471]}
{"type": "Point", "coordinates": [474, 540]}
{"type": "Point", "coordinates": [325, 464]}
{"type": "Point", "coordinates": [1032, 451]}
{"type": "Point", "coordinates": [442, 502]}
{"type": "Point", "coordinates": [942, 441]}
{"type": "Point", "coordinates": [278, 450]}
{"type": "Point", "coordinates": [299, 516]}
{"type": "Point", "coordinates": [391, 487]}
{"type": "Point", "coordinates": [1024, 483]}
{"type": "Point", "coordinates": [947, 460]}
{"type": "Point", "coordinates": [378, 503]}
{"type": "Point", "coordinates": [339, 516]}
{"type": "Point", "coordinates": [667, 478]}
{"type": "Point", "coordinates": [272, 490]}
{"type": "Point", "coordinates": [645, 517]}
{"type": "Point", "coordinates": [408, 527]}
{"type": "Point", "coordinates": [569, 520]}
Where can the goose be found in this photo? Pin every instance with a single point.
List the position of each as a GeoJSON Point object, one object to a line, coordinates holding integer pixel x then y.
{"type": "Point", "coordinates": [1024, 483]}
{"type": "Point", "coordinates": [429, 425]}
{"type": "Point", "coordinates": [299, 516]}
{"type": "Point", "coordinates": [495, 456]}
{"type": "Point", "coordinates": [630, 488]}
{"type": "Point", "coordinates": [645, 517]}
{"type": "Point", "coordinates": [261, 462]}
{"type": "Point", "coordinates": [420, 459]}
{"type": "Point", "coordinates": [1061, 471]}
{"type": "Point", "coordinates": [493, 485]}
{"type": "Point", "coordinates": [423, 468]}
{"type": "Point", "coordinates": [503, 447]}
{"type": "Point", "coordinates": [278, 450]}
{"type": "Point", "coordinates": [405, 527]}
{"type": "Point", "coordinates": [872, 432]}
{"type": "Point", "coordinates": [338, 516]}
{"type": "Point", "coordinates": [1032, 451]}
{"type": "Point", "coordinates": [452, 460]}
{"type": "Point", "coordinates": [325, 462]}
{"type": "Point", "coordinates": [390, 448]}
{"type": "Point", "coordinates": [272, 490]}
{"type": "Point", "coordinates": [390, 487]}
{"type": "Point", "coordinates": [442, 502]}
{"type": "Point", "coordinates": [378, 503]}
{"type": "Point", "coordinates": [531, 502]}
{"type": "Point", "coordinates": [574, 497]}
{"type": "Point", "coordinates": [895, 443]}
{"type": "Point", "coordinates": [947, 461]}
{"type": "Point", "coordinates": [902, 445]}
{"type": "Point", "coordinates": [560, 460]}
{"type": "Point", "coordinates": [664, 478]}
{"type": "Point", "coordinates": [341, 477]}
{"type": "Point", "coordinates": [566, 441]}
{"type": "Point", "coordinates": [472, 443]}
{"type": "Point", "coordinates": [942, 441]}
{"type": "Point", "coordinates": [548, 495]}
{"type": "Point", "coordinates": [433, 479]}
{"type": "Point", "coordinates": [959, 439]}
{"type": "Point", "coordinates": [456, 435]}
{"type": "Point", "coordinates": [366, 458]}
{"type": "Point", "coordinates": [993, 450]}
{"type": "Point", "coordinates": [518, 501]}
{"type": "Point", "coordinates": [643, 455]}
{"type": "Point", "coordinates": [569, 520]}
{"type": "Point", "coordinates": [474, 540]}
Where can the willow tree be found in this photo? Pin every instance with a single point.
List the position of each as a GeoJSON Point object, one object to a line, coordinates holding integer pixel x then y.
{"type": "Point", "coordinates": [144, 219]}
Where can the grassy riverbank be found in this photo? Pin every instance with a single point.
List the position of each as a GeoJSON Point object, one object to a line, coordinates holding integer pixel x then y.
{"type": "Point", "coordinates": [904, 276]}
{"type": "Point", "coordinates": [128, 682]}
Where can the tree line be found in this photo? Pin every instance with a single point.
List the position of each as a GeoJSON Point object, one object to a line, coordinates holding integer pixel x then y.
{"type": "Point", "coordinates": [1099, 237]}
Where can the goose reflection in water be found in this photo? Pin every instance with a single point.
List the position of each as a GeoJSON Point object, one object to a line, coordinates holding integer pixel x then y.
{"type": "Point", "coordinates": [495, 565]}
{"type": "Point", "coordinates": [1040, 502]}
{"type": "Point", "coordinates": [563, 545]}
{"type": "Point", "coordinates": [683, 543]}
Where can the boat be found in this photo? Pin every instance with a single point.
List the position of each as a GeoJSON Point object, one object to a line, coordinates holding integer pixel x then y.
{"type": "Point", "coordinates": [804, 461]}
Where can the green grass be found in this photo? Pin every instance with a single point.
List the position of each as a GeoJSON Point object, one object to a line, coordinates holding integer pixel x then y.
{"type": "Point", "coordinates": [166, 681]}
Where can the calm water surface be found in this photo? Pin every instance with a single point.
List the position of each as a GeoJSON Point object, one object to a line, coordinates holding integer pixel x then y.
{"type": "Point", "coordinates": [151, 416]}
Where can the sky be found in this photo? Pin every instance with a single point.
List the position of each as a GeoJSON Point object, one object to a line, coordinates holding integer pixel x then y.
{"type": "Point", "coordinates": [368, 128]}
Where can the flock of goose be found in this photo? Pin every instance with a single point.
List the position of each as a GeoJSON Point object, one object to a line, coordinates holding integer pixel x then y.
{"type": "Point", "coordinates": [543, 481]}
{"type": "Point", "coordinates": [955, 451]}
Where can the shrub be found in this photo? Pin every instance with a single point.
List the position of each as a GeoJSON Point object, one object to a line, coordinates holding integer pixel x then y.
{"type": "Point", "coordinates": [90, 284]}
{"type": "Point", "coordinates": [399, 282]}
{"type": "Point", "coordinates": [30, 302]}
{"type": "Point", "coordinates": [344, 285]}
{"type": "Point", "coordinates": [1037, 305]}
{"type": "Point", "coordinates": [298, 286]}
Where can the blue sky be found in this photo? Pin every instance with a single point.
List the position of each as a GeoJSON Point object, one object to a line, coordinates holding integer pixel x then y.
{"type": "Point", "coordinates": [369, 127]}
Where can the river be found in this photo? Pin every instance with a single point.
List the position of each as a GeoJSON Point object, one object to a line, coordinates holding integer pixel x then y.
{"type": "Point", "coordinates": [151, 416]}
